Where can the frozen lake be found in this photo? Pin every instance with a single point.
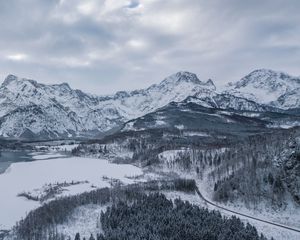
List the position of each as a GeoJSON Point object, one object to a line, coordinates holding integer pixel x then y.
{"type": "Point", "coordinates": [33, 176]}
{"type": "Point", "coordinates": [9, 157]}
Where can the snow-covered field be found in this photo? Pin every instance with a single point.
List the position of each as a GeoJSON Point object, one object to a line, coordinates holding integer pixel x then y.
{"type": "Point", "coordinates": [29, 176]}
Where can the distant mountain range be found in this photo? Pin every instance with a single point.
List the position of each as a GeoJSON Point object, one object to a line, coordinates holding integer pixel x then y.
{"type": "Point", "coordinates": [29, 109]}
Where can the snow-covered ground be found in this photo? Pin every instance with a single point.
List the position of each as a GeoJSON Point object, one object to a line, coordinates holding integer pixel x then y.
{"type": "Point", "coordinates": [29, 176]}
{"type": "Point", "coordinates": [111, 151]}
{"type": "Point", "coordinates": [288, 217]}
{"type": "Point", "coordinates": [47, 156]}
{"type": "Point", "coordinates": [285, 125]}
{"type": "Point", "coordinates": [195, 133]}
{"type": "Point", "coordinates": [191, 198]}
{"type": "Point", "coordinates": [268, 230]}
{"type": "Point", "coordinates": [61, 148]}
{"type": "Point", "coordinates": [84, 220]}
{"type": "Point", "coordinates": [171, 155]}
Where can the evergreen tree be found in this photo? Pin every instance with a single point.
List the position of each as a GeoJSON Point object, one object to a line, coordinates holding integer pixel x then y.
{"type": "Point", "coordinates": [77, 236]}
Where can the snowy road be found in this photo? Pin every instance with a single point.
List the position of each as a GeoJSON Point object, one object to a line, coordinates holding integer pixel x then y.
{"type": "Point", "coordinates": [245, 215]}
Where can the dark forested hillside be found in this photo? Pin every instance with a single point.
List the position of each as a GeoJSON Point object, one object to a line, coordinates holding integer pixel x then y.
{"type": "Point", "coordinates": [264, 170]}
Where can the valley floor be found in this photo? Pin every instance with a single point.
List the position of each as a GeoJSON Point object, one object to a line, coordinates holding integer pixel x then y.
{"type": "Point", "coordinates": [73, 175]}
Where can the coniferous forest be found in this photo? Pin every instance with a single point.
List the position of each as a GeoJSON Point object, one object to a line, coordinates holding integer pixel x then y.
{"type": "Point", "coordinates": [155, 217]}
{"type": "Point", "coordinates": [137, 211]}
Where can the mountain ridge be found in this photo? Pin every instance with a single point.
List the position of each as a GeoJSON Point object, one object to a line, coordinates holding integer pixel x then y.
{"type": "Point", "coordinates": [25, 103]}
{"type": "Point", "coordinates": [267, 87]}
{"type": "Point", "coordinates": [48, 111]}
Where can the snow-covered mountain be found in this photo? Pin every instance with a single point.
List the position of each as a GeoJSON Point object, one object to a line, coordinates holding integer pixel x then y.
{"type": "Point", "coordinates": [270, 87]}
{"type": "Point", "coordinates": [28, 108]}
{"type": "Point", "coordinates": [32, 109]}
{"type": "Point", "coordinates": [228, 101]}
{"type": "Point", "coordinates": [175, 88]}
{"type": "Point", "coordinates": [193, 117]}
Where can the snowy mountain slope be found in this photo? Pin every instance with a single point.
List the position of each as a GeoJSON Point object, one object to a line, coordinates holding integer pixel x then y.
{"type": "Point", "coordinates": [228, 101]}
{"type": "Point", "coordinates": [290, 99]}
{"type": "Point", "coordinates": [190, 116]}
{"type": "Point", "coordinates": [176, 88]}
{"type": "Point", "coordinates": [268, 87]}
{"type": "Point", "coordinates": [31, 109]}
{"type": "Point", "coordinates": [219, 114]}
{"type": "Point", "coordinates": [28, 108]}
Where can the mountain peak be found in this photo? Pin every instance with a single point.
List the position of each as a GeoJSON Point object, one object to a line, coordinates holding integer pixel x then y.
{"type": "Point", "coordinates": [266, 77]}
{"type": "Point", "coordinates": [64, 85]}
{"type": "Point", "coordinates": [10, 78]}
{"type": "Point", "coordinates": [180, 77]}
{"type": "Point", "coordinates": [263, 70]}
{"type": "Point", "coordinates": [184, 80]}
{"type": "Point", "coordinates": [210, 83]}
{"type": "Point", "coordinates": [264, 85]}
{"type": "Point", "coordinates": [272, 73]}
{"type": "Point", "coordinates": [187, 77]}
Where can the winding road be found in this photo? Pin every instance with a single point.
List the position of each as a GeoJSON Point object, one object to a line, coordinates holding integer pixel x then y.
{"type": "Point", "coordinates": [244, 215]}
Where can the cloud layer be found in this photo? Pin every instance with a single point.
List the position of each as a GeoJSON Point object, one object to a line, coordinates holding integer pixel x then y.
{"type": "Point", "coordinates": [102, 46]}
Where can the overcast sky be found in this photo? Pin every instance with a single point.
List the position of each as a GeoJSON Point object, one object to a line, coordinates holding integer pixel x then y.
{"type": "Point", "coordinates": [102, 46]}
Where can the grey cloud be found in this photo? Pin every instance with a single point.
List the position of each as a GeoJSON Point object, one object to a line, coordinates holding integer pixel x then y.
{"type": "Point", "coordinates": [104, 46]}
